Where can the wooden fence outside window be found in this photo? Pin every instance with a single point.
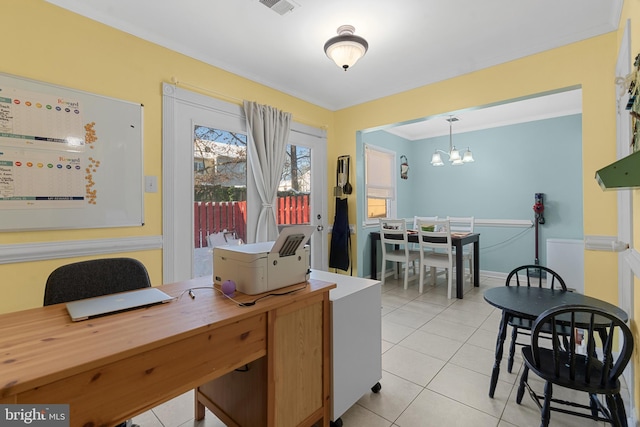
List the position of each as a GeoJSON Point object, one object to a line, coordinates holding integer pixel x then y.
{"type": "Point", "coordinates": [214, 217]}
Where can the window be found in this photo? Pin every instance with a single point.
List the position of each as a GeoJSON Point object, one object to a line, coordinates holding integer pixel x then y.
{"type": "Point", "coordinates": [376, 208]}
{"type": "Point", "coordinates": [220, 183]}
{"type": "Point", "coordinates": [198, 165]}
{"type": "Point", "coordinates": [380, 181]}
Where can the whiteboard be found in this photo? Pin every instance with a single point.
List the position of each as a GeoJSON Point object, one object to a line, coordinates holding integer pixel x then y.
{"type": "Point", "coordinates": [68, 158]}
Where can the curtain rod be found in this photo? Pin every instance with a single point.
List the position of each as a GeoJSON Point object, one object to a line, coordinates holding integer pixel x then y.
{"type": "Point", "coordinates": [175, 81]}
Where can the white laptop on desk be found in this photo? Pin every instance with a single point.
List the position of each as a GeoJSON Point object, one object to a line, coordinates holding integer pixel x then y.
{"type": "Point", "coordinates": [91, 307]}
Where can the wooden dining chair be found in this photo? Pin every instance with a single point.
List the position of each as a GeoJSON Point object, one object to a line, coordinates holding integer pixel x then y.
{"type": "Point", "coordinates": [394, 232]}
{"type": "Point", "coordinates": [608, 344]}
{"type": "Point", "coordinates": [434, 238]}
{"type": "Point", "coordinates": [529, 275]}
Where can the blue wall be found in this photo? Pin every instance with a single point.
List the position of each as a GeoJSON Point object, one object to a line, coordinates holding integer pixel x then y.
{"type": "Point", "coordinates": [512, 163]}
{"type": "Point", "coordinates": [406, 205]}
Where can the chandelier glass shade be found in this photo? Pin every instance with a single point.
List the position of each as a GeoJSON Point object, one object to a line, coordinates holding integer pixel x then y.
{"type": "Point", "coordinates": [454, 155]}
{"type": "Point", "coordinates": [346, 49]}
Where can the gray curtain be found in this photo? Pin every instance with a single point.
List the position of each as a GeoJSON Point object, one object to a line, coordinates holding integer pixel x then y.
{"type": "Point", "coordinates": [268, 133]}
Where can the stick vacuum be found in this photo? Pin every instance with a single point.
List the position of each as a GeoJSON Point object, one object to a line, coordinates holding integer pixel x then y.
{"type": "Point", "coordinates": [538, 209]}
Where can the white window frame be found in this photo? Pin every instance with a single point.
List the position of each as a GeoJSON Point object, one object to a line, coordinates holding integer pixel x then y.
{"type": "Point", "coordinates": [391, 202]}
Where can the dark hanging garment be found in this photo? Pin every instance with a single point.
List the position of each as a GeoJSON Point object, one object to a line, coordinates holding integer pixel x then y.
{"type": "Point", "coordinates": [340, 237]}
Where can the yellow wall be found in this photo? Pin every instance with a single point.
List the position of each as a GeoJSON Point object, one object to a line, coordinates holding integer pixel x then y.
{"type": "Point", "coordinates": [47, 43]}
{"type": "Point", "coordinates": [50, 44]}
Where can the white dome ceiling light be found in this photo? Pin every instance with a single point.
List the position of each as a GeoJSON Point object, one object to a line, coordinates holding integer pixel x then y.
{"type": "Point", "coordinates": [346, 49]}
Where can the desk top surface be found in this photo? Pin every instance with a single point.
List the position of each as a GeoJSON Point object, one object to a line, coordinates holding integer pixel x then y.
{"type": "Point", "coordinates": [532, 301]}
{"type": "Point", "coordinates": [42, 344]}
{"type": "Point", "coordinates": [345, 285]}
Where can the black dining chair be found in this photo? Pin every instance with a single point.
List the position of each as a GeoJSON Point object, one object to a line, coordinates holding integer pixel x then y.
{"type": "Point", "coordinates": [607, 344]}
{"type": "Point", "coordinates": [94, 278]}
{"type": "Point", "coordinates": [529, 275]}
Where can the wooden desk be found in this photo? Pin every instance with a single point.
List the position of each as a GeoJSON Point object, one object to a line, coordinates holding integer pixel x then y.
{"type": "Point", "coordinates": [457, 242]}
{"type": "Point", "coordinates": [530, 302]}
{"type": "Point", "coordinates": [111, 368]}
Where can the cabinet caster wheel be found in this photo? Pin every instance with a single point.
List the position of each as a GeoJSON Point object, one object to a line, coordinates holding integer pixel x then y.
{"type": "Point", "coordinates": [336, 423]}
{"type": "Point", "coordinates": [376, 388]}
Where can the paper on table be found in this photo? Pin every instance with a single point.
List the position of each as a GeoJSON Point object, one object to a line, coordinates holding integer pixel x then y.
{"type": "Point", "coordinates": [460, 234]}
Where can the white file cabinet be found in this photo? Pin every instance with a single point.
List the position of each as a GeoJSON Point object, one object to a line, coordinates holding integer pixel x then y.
{"type": "Point", "coordinates": [357, 339]}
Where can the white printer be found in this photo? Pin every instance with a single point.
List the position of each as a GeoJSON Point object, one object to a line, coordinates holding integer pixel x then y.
{"type": "Point", "coordinates": [261, 267]}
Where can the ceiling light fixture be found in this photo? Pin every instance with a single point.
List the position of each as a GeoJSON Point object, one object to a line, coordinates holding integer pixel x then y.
{"type": "Point", "coordinates": [454, 154]}
{"type": "Point", "coordinates": [346, 48]}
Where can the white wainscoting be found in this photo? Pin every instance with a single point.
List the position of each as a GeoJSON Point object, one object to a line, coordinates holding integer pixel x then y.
{"type": "Point", "coordinates": [522, 223]}
{"type": "Point", "coordinates": [25, 252]}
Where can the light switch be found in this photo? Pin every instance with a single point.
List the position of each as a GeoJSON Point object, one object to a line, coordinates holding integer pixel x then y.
{"type": "Point", "coordinates": [151, 184]}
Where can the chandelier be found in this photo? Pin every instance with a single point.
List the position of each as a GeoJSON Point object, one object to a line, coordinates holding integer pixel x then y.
{"type": "Point", "coordinates": [346, 48]}
{"type": "Point", "coordinates": [454, 155]}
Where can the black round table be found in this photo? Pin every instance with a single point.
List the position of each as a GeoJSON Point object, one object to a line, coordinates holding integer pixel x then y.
{"type": "Point", "coordinates": [530, 302]}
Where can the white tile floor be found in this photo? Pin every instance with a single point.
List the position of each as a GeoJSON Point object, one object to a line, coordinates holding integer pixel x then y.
{"type": "Point", "coordinates": [437, 356]}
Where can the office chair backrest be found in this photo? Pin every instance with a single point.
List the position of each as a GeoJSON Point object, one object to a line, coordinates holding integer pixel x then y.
{"type": "Point", "coordinates": [600, 329]}
{"type": "Point", "coordinates": [87, 279]}
{"type": "Point", "coordinates": [534, 274]}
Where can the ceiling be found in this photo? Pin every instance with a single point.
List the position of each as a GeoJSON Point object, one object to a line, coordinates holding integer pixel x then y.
{"type": "Point", "coordinates": [411, 42]}
{"type": "Point", "coordinates": [512, 112]}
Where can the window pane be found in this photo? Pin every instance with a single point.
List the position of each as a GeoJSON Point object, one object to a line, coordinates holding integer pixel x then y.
{"type": "Point", "coordinates": [220, 165]}
{"type": "Point", "coordinates": [380, 178]}
{"type": "Point", "coordinates": [219, 190]}
{"type": "Point", "coordinates": [376, 208]}
{"type": "Point", "coordinates": [295, 187]}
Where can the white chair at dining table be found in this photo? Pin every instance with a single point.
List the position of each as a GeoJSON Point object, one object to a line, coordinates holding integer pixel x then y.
{"type": "Point", "coordinates": [423, 219]}
{"type": "Point", "coordinates": [434, 238]}
{"type": "Point", "coordinates": [464, 224]}
{"type": "Point", "coordinates": [394, 232]}
{"type": "Point", "coordinates": [426, 219]}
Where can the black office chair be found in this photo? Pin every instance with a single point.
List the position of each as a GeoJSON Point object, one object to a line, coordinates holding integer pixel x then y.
{"type": "Point", "coordinates": [529, 275]}
{"type": "Point", "coordinates": [87, 279]}
{"type": "Point", "coordinates": [595, 372]}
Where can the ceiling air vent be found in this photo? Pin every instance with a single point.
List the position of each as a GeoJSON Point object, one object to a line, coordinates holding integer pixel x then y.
{"type": "Point", "coordinates": [280, 6]}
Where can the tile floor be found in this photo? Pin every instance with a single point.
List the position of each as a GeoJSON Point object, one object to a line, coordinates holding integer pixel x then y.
{"type": "Point", "coordinates": [437, 356]}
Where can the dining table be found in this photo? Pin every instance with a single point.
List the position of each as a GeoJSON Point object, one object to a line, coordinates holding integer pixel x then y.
{"type": "Point", "coordinates": [528, 303]}
{"type": "Point", "coordinates": [458, 241]}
